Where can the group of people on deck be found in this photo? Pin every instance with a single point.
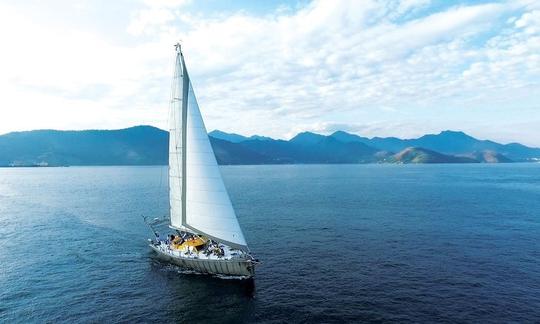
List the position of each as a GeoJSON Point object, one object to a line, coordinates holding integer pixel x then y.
{"type": "Point", "coordinates": [213, 248]}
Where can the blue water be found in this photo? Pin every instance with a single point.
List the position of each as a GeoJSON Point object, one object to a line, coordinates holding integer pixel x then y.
{"type": "Point", "coordinates": [339, 243]}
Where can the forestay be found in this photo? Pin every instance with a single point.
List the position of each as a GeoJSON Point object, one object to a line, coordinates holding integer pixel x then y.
{"type": "Point", "coordinates": [198, 198]}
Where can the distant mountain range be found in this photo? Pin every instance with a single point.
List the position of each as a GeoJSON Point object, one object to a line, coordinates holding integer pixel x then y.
{"type": "Point", "coordinates": [141, 145]}
{"type": "Point", "coordinates": [343, 147]}
{"type": "Point", "coordinates": [146, 145]}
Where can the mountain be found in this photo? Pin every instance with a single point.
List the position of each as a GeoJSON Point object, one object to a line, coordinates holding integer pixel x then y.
{"type": "Point", "coordinates": [236, 138]}
{"type": "Point", "coordinates": [488, 157]}
{"type": "Point", "coordinates": [232, 153]}
{"type": "Point", "coordinates": [230, 137]}
{"type": "Point", "coordinates": [313, 148]}
{"type": "Point", "coordinates": [421, 155]}
{"type": "Point", "coordinates": [146, 145]}
{"type": "Point", "coordinates": [347, 138]}
{"type": "Point", "coordinates": [447, 142]}
{"type": "Point", "coordinates": [140, 145]}
{"type": "Point", "coordinates": [260, 138]}
{"type": "Point", "coordinates": [279, 150]}
{"type": "Point", "coordinates": [307, 139]}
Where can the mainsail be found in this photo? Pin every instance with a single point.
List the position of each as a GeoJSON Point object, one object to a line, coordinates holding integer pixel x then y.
{"type": "Point", "coordinates": [198, 198]}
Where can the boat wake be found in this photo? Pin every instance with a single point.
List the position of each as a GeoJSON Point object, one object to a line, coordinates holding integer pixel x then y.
{"type": "Point", "coordinates": [229, 277]}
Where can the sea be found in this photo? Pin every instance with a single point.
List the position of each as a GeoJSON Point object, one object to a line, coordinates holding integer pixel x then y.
{"type": "Point", "coordinates": [338, 243]}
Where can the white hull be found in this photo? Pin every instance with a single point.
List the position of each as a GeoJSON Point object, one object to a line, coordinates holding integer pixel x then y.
{"type": "Point", "coordinates": [231, 267]}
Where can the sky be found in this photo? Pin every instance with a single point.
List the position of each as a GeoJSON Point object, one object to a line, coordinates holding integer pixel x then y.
{"type": "Point", "coordinates": [375, 68]}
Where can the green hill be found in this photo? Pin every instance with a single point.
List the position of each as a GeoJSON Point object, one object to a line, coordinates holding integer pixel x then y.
{"type": "Point", "coordinates": [421, 155]}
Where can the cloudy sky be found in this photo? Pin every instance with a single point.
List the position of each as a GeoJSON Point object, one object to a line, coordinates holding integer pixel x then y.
{"type": "Point", "coordinates": [376, 68]}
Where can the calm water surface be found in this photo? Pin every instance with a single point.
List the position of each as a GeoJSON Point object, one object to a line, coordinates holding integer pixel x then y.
{"type": "Point", "coordinates": [419, 243]}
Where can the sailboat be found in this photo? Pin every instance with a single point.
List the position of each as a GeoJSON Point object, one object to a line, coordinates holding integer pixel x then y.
{"type": "Point", "coordinates": [207, 237]}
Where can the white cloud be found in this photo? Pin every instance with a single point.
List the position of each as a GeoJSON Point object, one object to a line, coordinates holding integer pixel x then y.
{"type": "Point", "coordinates": [166, 3]}
{"type": "Point", "coordinates": [397, 65]}
{"type": "Point", "coordinates": [326, 60]}
{"type": "Point", "coordinates": [147, 19]}
{"type": "Point", "coordinates": [155, 16]}
{"type": "Point", "coordinates": [59, 78]}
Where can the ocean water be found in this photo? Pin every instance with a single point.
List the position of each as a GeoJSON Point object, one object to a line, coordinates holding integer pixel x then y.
{"type": "Point", "coordinates": [339, 243]}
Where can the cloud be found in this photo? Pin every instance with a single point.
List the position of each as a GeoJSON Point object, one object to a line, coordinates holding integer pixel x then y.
{"type": "Point", "coordinates": [54, 77]}
{"type": "Point", "coordinates": [397, 67]}
{"type": "Point", "coordinates": [329, 59]}
{"type": "Point", "coordinates": [166, 3]}
{"type": "Point", "coordinates": [147, 19]}
{"type": "Point", "coordinates": [155, 16]}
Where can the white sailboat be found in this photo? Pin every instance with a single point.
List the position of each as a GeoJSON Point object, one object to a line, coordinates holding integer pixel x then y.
{"type": "Point", "coordinates": [207, 237]}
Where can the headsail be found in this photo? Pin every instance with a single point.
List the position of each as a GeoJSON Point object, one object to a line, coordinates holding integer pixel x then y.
{"type": "Point", "coordinates": [175, 146]}
{"type": "Point", "coordinates": [198, 197]}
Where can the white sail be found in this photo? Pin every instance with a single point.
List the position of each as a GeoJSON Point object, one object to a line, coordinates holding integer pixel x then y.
{"type": "Point", "coordinates": [204, 205]}
{"type": "Point", "coordinates": [175, 147]}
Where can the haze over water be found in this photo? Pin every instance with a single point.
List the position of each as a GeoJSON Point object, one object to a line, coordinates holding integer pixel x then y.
{"type": "Point", "coordinates": [402, 243]}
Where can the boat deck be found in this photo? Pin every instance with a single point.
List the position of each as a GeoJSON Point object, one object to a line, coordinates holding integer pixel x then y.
{"type": "Point", "coordinates": [232, 263]}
